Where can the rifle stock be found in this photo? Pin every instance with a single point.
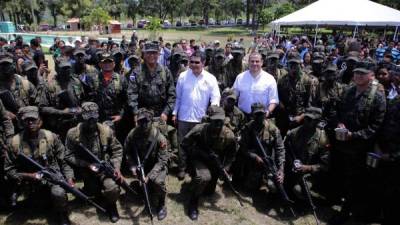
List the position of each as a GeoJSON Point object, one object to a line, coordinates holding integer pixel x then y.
{"type": "Point", "coordinates": [57, 179]}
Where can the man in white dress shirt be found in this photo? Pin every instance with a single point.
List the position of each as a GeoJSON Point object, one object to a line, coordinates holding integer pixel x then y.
{"type": "Point", "coordinates": [255, 85]}
{"type": "Point", "coordinates": [196, 89]}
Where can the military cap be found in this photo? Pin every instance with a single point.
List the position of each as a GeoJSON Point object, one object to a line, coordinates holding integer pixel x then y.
{"type": "Point", "coordinates": [353, 55]}
{"type": "Point", "coordinates": [237, 49]}
{"type": "Point", "coordinates": [229, 93]}
{"type": "Point", "coordinates": [78, 51]}
{"type": "Point", "coordinates": [28, 66]}
{"type": "Point", "coordinates": [273, 55]}
{"type": "Point", "coordinates": [90, 110]}
{"type": "Point", "coordinates": [6, 58]}
{"type": "Point", "coordinates": [28, 112]}
{"type": "Point", "coordinates": [331, 68]}
{"type": "Point", "coordinates": [133, 57]}
{"type": "Point", "coordinates": [209, 49]}
{"type": "Point", "coordinates": [263, 51]}
{"type": "Point", "coordinates": [219, 52]}
{"type": "Point", "coordinates": [365, 67]}
{"type": "Point", "coordinates": [257, 108]}
{"type": "Point", "coordinates": [151, 47]}
{"type": "Point", "coordinates": [318, 57]}
{"type": "Point", "coordinates": [144, 113]}
{"type": "Point", "coordinates": [216, 113]}
{"type": "Point", "coordinates": [184, 57]}
{"type": "Point", "coordinates": [116, 51]}
{"type": "Point", "coordinates": [64, 63]}
{"type": "Point", "coordinates": [105, 56]}
{"type": "Point", "coordinates": [313, 113]}
{"type": "Point", "coordinates": [294, 57]}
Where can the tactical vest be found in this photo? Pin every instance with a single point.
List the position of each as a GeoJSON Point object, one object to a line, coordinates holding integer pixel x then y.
{"type": "Point", "coordinates": [116, 80]}
{"type": "Point", "coordinates": [44, 144]}
{"type": "Point", "coordinates": [22, 85]}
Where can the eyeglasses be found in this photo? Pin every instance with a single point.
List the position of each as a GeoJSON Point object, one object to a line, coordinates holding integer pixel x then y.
{"type": "Point", "coordinates": [195, 62]}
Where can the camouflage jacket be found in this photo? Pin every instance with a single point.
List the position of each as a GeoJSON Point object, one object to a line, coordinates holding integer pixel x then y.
{"type": "Point", "coordinates": [23, 91]}
{"type": "Point", "coordinates": [295, 95]}
{"type": "Point", "coordinates": [199, 144]}
{"type": "Point", "coordinates": [139, 142]}
{"type": "Point", "coordinates": [46, 150]}
{"type": "Point", "coordinates": [235, 120]}
{"type": "Point", "coordinates": [153, 91]}
{"type": "Point", "coordinates": [310, 149]}
{"type": "Point", "coordinates": [389, 140]}
{"type": "Point", "coordinates": [270, 138]}
{"type": "Point", "coordinates": [103, 144]}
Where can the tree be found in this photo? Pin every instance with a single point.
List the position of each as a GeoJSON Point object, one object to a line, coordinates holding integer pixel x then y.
{"type": "Point", "coordinates": [266, 16]}
{"type": "Point", "coordinates": [154, 27]}
{"type": "Point", "coordinates": [76, 8]}
{"type": "Point", "coordinates": [97, 16]}
{"type": "Point", "coordinates": [55, 9]}
{"type": "Point", "coordinates": [284, 9]}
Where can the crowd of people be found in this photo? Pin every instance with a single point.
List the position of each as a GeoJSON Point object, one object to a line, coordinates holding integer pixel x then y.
{"type": "Point", "coordinates": [262, 119]}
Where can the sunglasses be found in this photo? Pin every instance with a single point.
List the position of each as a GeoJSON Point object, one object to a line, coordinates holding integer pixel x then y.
{"type": "Point", "coordinates": [195, 62]}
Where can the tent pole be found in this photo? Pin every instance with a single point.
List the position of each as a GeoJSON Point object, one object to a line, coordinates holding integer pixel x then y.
{"type": "Point", "coordinates": [315, 37]}
{"type": "Point", "coordinates": [395, 33]}
{"type": "Point", "coordinates": [355, 31]}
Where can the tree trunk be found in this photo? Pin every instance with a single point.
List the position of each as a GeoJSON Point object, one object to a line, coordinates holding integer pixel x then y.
{"type": "Point", "coordinates": [247, 12]}
{"type": "Point", "coordinates": [254, 12]}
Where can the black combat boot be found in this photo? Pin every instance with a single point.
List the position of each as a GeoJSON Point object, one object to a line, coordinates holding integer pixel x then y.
{"type": "Point", "coordinates": [193, 208]}
{"type": "Point", "coordinates": [161, 209]}
{"type": "Point", "coordinates": [113, 213]}
{"type": "Point", "coordinates": [63, 218]}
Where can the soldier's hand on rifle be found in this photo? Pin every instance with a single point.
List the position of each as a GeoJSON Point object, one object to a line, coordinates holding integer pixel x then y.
{"type": "Point", "coordinates": [259, 161]}
{"type": "Point", "coordinates": [93, 167]}
{"type": "Point", "coordinates": [134, 171]}
{"type": "Point", "coordinates": [116, 118]}
{"type": "Point", "coordinates": [164, 117]}
{"type": "Point", "coordinates": [10, 115]}
{"type": "Point", "coordinates": [71, 182]}
{"type": "Point", "coordinates": [117, 174]}
{"type": "Point", "coordinates": [280, 176]}
{"type": "Point", "coordinates": [32, 176]}
{"type": "Point", "coordinates": [305, 168]}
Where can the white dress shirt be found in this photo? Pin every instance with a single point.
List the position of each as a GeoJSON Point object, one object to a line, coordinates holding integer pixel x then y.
{"type": "Point", "coordinates": [193, 95]}
{"type": "Point", "coordinates": [261, 89]}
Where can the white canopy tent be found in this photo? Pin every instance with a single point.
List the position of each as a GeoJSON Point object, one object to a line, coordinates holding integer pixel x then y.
{"type": "Point", "coordinates": [343, 13]}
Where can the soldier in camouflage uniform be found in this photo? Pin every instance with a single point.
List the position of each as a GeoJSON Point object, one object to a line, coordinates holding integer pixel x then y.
{"type": "Point", "coordinates": [272, 66]}
{"type": "Point", "coordinates": [318, 63]}
{"type": "Point", "coordinates": [234, 117]}
{"type": "Point", "coordinates": [152, 88]}
{"type": "Point", "coordinates": [254, 172]}
{"type": "Point", "coordinates": [15, 91]}
{"type": "Point", "coordinates": [100, 140]}
{"type": "Point", "coordinates": [84, 72]}
{"type": "Point", "coordinates": [310, 145]}
{"type": "Point", "coordinates": [361, 112]}
{"type": "Point", "coordinates": [327, 97]}
{"type": "Point", "coordinates": [347, 67]}
{"type": "Point", "coordinates": [388, 148]}
{"type": "Point", "coordinates": [45, 148]}
{"type": "Point", "coordinates": [235, 66]}
{"type": "Point", "coordinates": [208, 144]}
{"type": "Point", "coordinates": [295, 90]}
{"type": "Point", "coordinates": [217, 67]}
{"type": "Point", "coordinates": [146, 139]}
{"type": "Point", "coordinates": [209, 55]}
{"type": "Point", "coordinates": [60, 100]}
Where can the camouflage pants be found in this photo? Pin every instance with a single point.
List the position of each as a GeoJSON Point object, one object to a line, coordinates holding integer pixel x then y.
{"type": "Point", "coordinates": [204, 179]}
{"type": "Point", "coordinates": [100, 184]}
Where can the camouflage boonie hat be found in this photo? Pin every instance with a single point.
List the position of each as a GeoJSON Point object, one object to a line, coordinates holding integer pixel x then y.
{"type": "Point", "coordinates": [90, 110]}
{"type": "Point", "coordinates": [294, 57]}
{"type": "Point", "coordinates": [216, 113]}
{"type": "Point", "coordinates": [273, 55]}
{"type": "Point", "coordinates": [237, 50]}
{"type": "Point", "coordinates": [219, 52]}
{"type": "Point", "coordinates": [117, 51]}
{"type": "Point", "coordinates": [133, 57]}
{"type": "Point", "coordinates": [257, 108]}
{"type": "Point", "coordinates": [64, 63]}
{"type": "Point", "coordinates": [318, 57]}
{"type": "Point", "coordinates": [353, 55]}
{"type": "Point", "coordinates": [313, 113]}
{"type": "Point", "coordinates": [365, 67]}
{"type": "Point", "coordinates": [151, 47]}
{"type": "Point", "coordinates": [28, 112]}
{"type": "Point", "coordinates": [79, 51]}
{"type": "Point", "coordinates": [144, 113]}
{"type": "Point", "coordinates": [229, 93]}
{"type": "Point", "coordinates": [105, 56]}
{"type": "Point", "coordinates": [331, 68]}
{"type": "Point", "coordinates": [6, 58]}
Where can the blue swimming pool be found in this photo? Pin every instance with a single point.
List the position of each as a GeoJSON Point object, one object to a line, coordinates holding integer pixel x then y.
{"type": "Point", "coordinates": [47, 40]}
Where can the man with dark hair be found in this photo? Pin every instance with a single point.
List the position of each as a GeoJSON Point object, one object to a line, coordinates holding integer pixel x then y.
{"type": "Point", "coordinates": [195, 90]}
